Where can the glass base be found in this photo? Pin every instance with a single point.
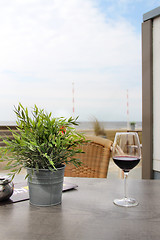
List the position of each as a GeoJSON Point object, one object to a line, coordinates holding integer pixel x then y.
{"type": "Point", "coordinates": [126, 202]}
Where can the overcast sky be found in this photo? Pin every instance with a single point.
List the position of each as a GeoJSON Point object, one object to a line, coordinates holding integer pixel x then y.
{"type": "Point", "coordinates": [45, 45]}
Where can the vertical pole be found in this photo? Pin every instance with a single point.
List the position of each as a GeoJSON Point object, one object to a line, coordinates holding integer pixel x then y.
{"type": "Point", "coordinates": [147, 100]}
{"type": "Point", "coordinates": [73, 99]}
{"type": "Point", "coordinates": [127, 111]}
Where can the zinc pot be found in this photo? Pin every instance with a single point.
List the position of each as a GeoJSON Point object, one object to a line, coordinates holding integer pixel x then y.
{"type": "Point", "coordinates": [132, 127]}
{"type": "Point", "coordinates": [45, 186]}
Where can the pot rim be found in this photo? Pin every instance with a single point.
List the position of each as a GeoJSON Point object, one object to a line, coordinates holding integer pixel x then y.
{"type": "Point", "coordinates": [42, 169]}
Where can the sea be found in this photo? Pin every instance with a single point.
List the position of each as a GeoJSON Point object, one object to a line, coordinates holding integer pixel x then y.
{"type": "Point", "coordinates": [86, 125]}
{"type": "Point", "coordinates": [108, 125]}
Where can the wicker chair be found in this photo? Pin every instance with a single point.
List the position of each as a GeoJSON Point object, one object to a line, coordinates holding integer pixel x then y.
{"type": "Point", "coordinates": [95, 160]}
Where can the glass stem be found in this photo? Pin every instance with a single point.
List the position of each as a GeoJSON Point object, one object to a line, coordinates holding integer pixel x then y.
{"type": "Point", "coordinates": [125, 184]}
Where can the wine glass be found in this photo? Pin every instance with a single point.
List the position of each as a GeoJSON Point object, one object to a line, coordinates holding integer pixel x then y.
{"type": "Point", "coordinates": [126, 154]}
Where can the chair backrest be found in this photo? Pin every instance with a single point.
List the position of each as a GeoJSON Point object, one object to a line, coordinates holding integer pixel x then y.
{"type": "Point", "coordinates": [95, 160]}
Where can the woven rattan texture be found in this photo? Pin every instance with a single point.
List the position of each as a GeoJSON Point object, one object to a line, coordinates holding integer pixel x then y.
{"type": "Point", "coordinates": [95, 160]}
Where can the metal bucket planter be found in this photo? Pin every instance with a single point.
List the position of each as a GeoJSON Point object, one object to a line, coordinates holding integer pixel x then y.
{"type": "Point", "coordinates": [45, 186]}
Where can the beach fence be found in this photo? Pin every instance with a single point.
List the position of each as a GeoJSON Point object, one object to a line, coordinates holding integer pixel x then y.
{"type": "Point", "coordinates": [5, 132]}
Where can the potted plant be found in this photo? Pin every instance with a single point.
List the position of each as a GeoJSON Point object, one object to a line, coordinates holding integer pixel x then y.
{"type": "Point", "coordinates": [132, 124]}
{"type": "Point", "coordinates": [42, 145]}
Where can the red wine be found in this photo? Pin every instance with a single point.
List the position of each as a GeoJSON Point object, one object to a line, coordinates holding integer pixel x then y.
{"type": "Point", "coordinates": [126, 163]}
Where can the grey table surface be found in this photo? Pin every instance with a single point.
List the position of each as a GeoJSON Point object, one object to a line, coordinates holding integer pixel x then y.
{"type": "Point", "coordinates": [88, 213]}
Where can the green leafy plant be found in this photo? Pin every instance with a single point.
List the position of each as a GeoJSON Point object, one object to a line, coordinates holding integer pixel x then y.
{"type": "Point", "coordinates": [132, 123]}
{"type": "Point", "coordinates": [42, 141]}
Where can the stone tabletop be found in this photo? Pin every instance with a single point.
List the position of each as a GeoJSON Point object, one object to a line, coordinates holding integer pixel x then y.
{"type": "Point", "coordinates": [88, 213]}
